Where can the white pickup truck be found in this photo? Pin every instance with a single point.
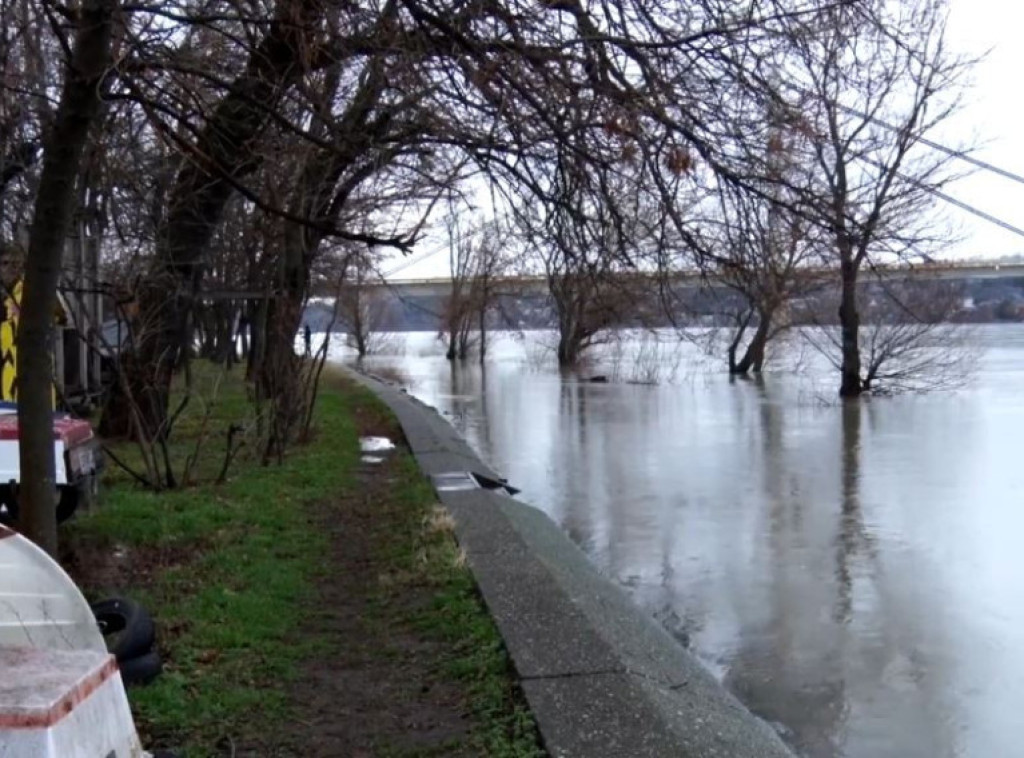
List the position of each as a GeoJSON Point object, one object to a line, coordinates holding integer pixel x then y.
{"type": "Point", "coordinates": [77, 454]}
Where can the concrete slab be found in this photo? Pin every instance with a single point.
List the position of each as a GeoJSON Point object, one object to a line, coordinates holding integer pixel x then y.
{"type": "Point", "coordinates": [708, 722]}
{"type": "Point", "coordinates": [643, 645]}
{"type": "Point", "coordinates": [616, 715]}
{"type": "Point", "coordinates": [481, 526]}
{"type": "Point", "coordinates": [440, 461]}
{"type": "Point", "coordinates": [544, 633]}
{"type": "Point", "coordinates": [599, 716]}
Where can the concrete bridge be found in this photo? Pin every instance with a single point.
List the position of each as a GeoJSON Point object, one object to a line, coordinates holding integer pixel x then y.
{"type": "Point", "coordinates": [537, 285]}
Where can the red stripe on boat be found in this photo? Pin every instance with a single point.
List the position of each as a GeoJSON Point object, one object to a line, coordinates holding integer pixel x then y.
{"type": "Point", "coordinates": [71, 431]}
{"type": "Point", "coordinates": [46, 718]}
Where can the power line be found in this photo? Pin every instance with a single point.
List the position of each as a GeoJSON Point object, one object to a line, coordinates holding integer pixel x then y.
{"type": "Point", "coordinates": [413, 261]}
{"type": "Point", "coordinates": [969, 208]}
{"type": "Point", "coordinates": [958, 154]}
{"type": "Point", "coordinates": [469, 233]}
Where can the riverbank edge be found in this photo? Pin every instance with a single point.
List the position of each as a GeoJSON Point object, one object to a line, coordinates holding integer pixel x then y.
{"type": "Point", "coordinates": [601, 677]}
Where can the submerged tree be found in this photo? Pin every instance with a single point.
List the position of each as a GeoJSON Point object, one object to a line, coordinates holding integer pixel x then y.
{"type": "Point", "coordinates": [767, 256]}
{"type": "Point", "coordinates": [477, 257]}
{"type": "Point", "coordinates": [361, 306]}
{"type": "Point", "coordinates": [869, 82]}
{"type": "Point", "coordinates": [758, 243]}
{"type": "Point", "coordinates": [911, 338]}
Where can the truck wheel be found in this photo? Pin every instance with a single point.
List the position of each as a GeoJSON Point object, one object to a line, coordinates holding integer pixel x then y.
{"type": "Point", "coordinates": [68, 500]}
{"type": "Point", "coordinates": [8, 506]}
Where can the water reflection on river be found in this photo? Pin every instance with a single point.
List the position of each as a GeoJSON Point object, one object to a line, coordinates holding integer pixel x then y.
{"type": "Point", "coordinates": [852, 573]}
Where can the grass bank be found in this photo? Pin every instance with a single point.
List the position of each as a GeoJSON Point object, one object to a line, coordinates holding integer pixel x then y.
{"type": "Point", "coordinates": [236, 576]}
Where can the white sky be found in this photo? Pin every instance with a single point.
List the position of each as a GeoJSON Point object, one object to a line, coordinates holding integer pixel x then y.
{"type": "Point", "coordinates": [991, 120]}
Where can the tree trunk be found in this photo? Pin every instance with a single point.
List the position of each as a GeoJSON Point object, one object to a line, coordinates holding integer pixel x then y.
{"type": "Point", "coordinates": [737, 338]}
{"type": "Point", "coordinates": [257, 319]}
{"type": "Point", "coordinates": [753, 356]}
{"type": "Point", "coordinates": [205, 325]}
{"type": "Point", "coordinates": [78, 109]}
{"type": "Point", "coordinates": [279, 374]}
{"type": "Point", "coordinates": [570, 336]}
{"type": "Point", "coordinates": [452, 339]}
{"type": "Point", "coordinates": [224, 343]}
{"type": "Point", "coordinates": [849, 323]}
{"type": "Point", "coordinates": [483, 333]}
{"type": "Point", "coordinates": [568, 348]}
{"type": "Point", "coordinates": [284, 313]}
{"type": "Point", "coordinates": [243, 331]}
{"type": "Point", "coordinates": [200, 192]}
{"type": "Point", "coordinates": [358, 326]}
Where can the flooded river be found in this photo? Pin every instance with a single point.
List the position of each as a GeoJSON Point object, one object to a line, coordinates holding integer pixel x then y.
{"type": "Point", "coordinates": [853, 574]}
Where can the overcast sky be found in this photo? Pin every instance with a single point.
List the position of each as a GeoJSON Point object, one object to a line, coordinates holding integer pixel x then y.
{"type": "Point", "coordinates": [992, 117]}
{"type": "Point", "coordinates": [989, 120]}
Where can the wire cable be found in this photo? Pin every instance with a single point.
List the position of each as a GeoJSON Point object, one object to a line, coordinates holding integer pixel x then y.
{"type": "Point", "coordinates": [958, 154]}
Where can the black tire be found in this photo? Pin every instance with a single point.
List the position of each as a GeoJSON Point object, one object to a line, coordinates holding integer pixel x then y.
{"type": "Point", "coordinates": [67, 502]}
{"type": "Point", "coordinates": [8, 506]}
{"type": "Point", "coordinates": [73, 497]}
{"type": "Point", "coordinates": [141, 670]}
{"type": "Point", "coordinates": [127, 628]}
{"type": "Point", "coordinates": [68, 499]}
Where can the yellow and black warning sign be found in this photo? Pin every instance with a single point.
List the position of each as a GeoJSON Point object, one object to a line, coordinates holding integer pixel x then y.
{"type": "Point", "coordinates": [8, 343]}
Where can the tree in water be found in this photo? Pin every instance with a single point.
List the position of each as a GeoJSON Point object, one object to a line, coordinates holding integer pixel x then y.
{"type": "Point", "coordinates": [868, 82]}
{"type": "Point", "coordinates": [911, 337]}
{"type": "Point", "coordinates": [478, 259]}
{"type": "Point", "coordinates": [361, 307]}
{"type": "Point", "coordinates": [766, 255]}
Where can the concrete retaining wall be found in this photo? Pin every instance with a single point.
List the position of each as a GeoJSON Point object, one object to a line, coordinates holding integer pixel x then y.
{"type": "Point", "coordinates": [601, 677]}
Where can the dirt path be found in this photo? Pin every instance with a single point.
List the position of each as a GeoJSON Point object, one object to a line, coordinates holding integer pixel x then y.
{"type": "Point", "coordinates": [384, 686]}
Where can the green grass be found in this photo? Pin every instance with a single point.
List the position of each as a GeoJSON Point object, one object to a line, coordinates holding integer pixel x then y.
{"type": "Point", "coordinates": [242, 557]}
{"type": "Point", "coordinates": [424, 550]}
{"type": "Point", "coordinates": [234, 569]}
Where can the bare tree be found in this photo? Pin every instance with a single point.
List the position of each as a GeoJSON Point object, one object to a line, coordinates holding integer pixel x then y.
{"type": "Point", "coordinates": [29, 58]}
{"type": "Point", "coordinates": [766, 257]}
{"type": "Point", "coordinates": [587, 302]}
{"type": "Point", "coordinates": [869, 81]}
{"type": "Point", "coordinates": [477, 258]}
{"type": "Point", "coordinates": [490, 285]}
{"type": "Point", "coordinates": [911, 339]}
{"type": "Point", "coordinates": [757, 250]}
{"type": "Point", "coordinates": [591, 291]}
{"type": "Point", "coordinates": [361, 306]}
{"type": "Point", "coordinates": [457, 311]}
{"type": "Point", "coordinates": [63, 149]}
